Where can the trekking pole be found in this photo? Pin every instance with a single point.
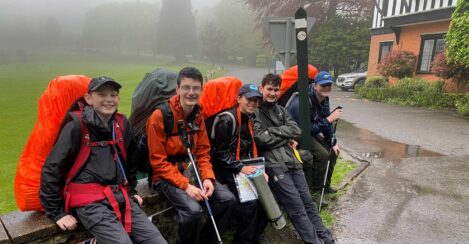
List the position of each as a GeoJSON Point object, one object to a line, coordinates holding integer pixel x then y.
{"type": "Point", "coordinates": [327, 167]}
{"type": "Point", "coordinates": [182, 133]}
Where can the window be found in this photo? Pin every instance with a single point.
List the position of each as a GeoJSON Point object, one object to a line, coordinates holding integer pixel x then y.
{"type": "Point", "coordinates": [384, 48]}
{"type": "Point", "coordinates": [429, 47]}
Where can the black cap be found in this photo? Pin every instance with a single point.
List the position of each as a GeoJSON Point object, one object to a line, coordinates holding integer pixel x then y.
{"type": "Point", "coordinates": [249, 90]}
{"type": "Point", "coordinates": [97, 82]}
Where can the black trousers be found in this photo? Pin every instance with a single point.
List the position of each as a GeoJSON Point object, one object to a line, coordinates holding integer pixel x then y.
{"type": "Point", "coordinates": [101, 221]}
{"type": "Point", "coordinates": [189, 212]}
{"type": "Point", "coordinates": [251, 219]}
{"type": "Point", "coordinates": [292, 193]}
{"type": "Point", "coordinates": [322, 153]}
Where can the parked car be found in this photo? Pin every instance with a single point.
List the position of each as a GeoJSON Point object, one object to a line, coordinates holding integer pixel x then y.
{"type": "Point", "coordinates": [349, 80]}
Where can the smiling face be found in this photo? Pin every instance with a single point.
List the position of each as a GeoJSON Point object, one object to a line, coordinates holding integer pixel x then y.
{"type": "Point", "coordinates": [189, 91]}
{"type": "Point", "coordinates": [104, 100]}
{"type": "Point", "coordinates": [248, 105]}
{"type": "Point", "coordinates": [323, 91]}
{"type": "Point", "coordinates": [270, 93]}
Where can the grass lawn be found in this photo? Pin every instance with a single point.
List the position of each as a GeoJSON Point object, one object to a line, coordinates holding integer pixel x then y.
{"type": "Point", "coordinates": [22, 84]}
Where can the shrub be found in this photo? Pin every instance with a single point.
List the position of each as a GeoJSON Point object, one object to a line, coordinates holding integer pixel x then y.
{"type": "Point", "coordinates": [398, 64]}
{"type": "Point", "coordinates": [376, 81]}
{"type": "Point", "coordinates": [457, 37]}
{"type": "Point", "coordinates": [462, 105]}
{"type": "Point", "coordinates": [444, 70]}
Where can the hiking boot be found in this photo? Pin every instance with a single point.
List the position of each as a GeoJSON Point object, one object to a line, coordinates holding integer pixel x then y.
{"type": "Point", "coordinates": [316, 200]}
{"type": "Point", "coordinates": [329, 189]}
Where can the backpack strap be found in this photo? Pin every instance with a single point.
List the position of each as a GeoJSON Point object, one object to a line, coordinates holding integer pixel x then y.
{"type": "Point", "coordinates": [86, 144]}
{"type": "Point", "coordinates": [85, 149]}
{"type": "Point", "coordinates": [217, 119]}
{"type": "Point", "coordinates": [168, 118]}
{"type": "Point", "coordinates": [251, 131]}
{"type": "Point", "coordinates": [119, 128]}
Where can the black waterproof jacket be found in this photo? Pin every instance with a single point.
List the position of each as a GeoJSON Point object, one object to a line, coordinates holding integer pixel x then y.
{"type": "Point", "coordinates": [224, 146]}
{"type": "Point", "coordinates": [100, 167]}
{"type": "Point", "coordinates": [273, 128]}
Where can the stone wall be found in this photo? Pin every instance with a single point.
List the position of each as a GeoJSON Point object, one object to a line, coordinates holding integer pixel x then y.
{"type": "Point", "coordinates": [35, 227]}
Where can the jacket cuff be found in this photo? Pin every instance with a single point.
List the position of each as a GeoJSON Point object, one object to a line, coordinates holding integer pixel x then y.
{"type": "Point", "coordinates": [57, 217]}
{"type": "Point", "coordinates": [238, 167]}
{"type": "Point", "coordinates": [183, 184]}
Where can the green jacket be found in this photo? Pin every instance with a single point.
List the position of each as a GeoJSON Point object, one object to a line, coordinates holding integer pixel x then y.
{"type": "Point", "coordinates": [273, 128]}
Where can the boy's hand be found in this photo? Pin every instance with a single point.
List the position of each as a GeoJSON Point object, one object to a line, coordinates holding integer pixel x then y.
{"type": "Point", "coordinates": [335, 115]}
{"type": "Point", "coordinates": [208, 188]}
{"type": "Point", "coordinates": [247, 170]}
{"type": "Point", "coordinates": [139, 199]}
{"type": "Point", "coordinates": [67, 222]}
{"type": "Point", "coordinates": [195, 193]}
{"type": "Point", "coordinates": [292, 143]}
{"type": "Point", "coordinates": [336, 149]}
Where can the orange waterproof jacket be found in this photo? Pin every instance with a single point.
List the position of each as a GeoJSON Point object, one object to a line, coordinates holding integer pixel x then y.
{"type": "Point", "coordinates": [161, 147]}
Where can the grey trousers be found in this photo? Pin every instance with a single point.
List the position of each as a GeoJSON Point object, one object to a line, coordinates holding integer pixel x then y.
{"type": "Point", "coordinates": [292, 193]}
{"type": "Point", "coordinates": [101, 221]}
{"type": "Point", "coordinates": [189, 212]}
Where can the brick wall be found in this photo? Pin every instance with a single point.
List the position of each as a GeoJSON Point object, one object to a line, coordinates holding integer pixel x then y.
{"type": "Point", "coordinates": [409, 41]}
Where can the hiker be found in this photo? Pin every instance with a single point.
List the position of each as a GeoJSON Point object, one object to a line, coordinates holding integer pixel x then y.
{"type": "Point", "coordinates": [171, 173]}
{"type": "Point", "coordinates": [89, 172]}
{"type": "Point", "coordinates": [228, 150]}
{"type": "Point", "coordinates": [324, 148]}
{"type": "Point", "coordinates": [276, 135]}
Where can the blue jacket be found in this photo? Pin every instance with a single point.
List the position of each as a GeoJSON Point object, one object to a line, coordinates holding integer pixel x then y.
{"type": "Point", "coordinates": [318, 112]}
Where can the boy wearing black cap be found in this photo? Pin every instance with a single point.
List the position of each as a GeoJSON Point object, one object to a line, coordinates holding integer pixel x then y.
{"type": "Point", "coordinates": [89, 172]}
{"type": "Point", "coordinates": [229, 149]}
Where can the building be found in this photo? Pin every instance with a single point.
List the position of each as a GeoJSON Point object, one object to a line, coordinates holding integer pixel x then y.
{"type": "Point", "coordinates": [417, 26]}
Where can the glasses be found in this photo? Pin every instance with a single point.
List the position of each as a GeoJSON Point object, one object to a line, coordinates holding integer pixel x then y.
{"type": "Point", "coordinates": [326, 85]}
{"type": "Point", "coordinates": [195, 89]}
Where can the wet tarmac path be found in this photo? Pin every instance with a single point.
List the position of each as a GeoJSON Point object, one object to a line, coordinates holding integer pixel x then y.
{"type": "Point", "coordinates": [409, 193]}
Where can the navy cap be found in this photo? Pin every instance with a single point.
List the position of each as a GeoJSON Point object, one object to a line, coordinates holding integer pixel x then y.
{"type": "Point", "coordinates": [323, 78]}
{"type": "Point", "coordinates": [97, 82]}
{"type": "Point", "coordinates": [249, 90]}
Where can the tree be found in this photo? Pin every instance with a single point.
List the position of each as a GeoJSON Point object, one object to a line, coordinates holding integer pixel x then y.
{"type": "Point", "coordinates": [213, 40]}
{"type": "Point", "coordinates": [176, 29]}
{"type": "Point", "coordinates": [127, 26]}
{"type": "Point", "coordinates": [243, 39]}
{"type": "Point", "coordinates": [341, 43]}
{"type": "Point", "coordinates": [457, 39]}
{"type": "Point", "coordinates": [320, 9]}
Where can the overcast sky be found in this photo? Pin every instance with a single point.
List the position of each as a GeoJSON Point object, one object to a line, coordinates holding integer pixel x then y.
{"type": "Point", "coordinates": [69, 12]}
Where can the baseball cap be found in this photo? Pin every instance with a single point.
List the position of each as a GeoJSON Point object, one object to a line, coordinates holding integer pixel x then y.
{"type": "Point", "coordinates": [323, 78]}
{"type": "Point", "coordinates": [97, 82]}
{"type": "Point", "coordinates": [249, 90]}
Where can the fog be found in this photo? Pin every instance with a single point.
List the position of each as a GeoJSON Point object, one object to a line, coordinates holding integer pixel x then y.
{"type": "Point", "coordinates": [178, 28]}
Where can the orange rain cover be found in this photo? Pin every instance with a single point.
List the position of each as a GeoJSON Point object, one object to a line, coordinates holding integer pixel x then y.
{"type": "Point", "coordinates": [290, 76]}
{"type": "Point", "coordinates": [52, 106]}
{"type": "Point", "coordinates": [219, 94]}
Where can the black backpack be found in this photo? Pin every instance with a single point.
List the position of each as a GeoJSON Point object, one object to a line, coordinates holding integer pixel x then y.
{"type": "Point", "coordinates": [153, 92]}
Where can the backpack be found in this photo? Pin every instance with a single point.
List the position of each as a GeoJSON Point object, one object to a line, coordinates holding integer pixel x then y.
{"type": "Point", "coordinates": [53, 105]}
{"type": "Point", "coordinates": [218, 96]}
{"type": "Point", "coordinates": [153, 92]}
{"type": "Point", "coordinates": [289, 86]}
